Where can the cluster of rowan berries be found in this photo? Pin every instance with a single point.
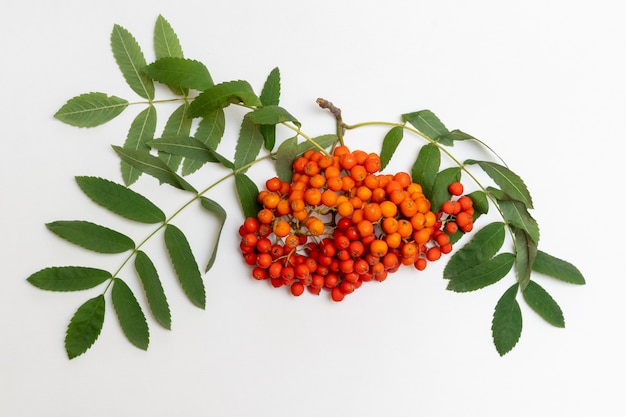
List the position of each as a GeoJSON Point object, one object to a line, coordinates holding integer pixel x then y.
{"type": "Point", "coordinates": [340, 223]}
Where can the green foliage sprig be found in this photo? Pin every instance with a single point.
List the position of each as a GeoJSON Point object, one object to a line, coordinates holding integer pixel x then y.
{"type": "Point", "coordinates": [176, 153]}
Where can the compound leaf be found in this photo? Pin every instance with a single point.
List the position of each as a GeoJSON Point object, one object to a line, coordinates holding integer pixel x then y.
{"type": "Point", "coordinates": [390, 143]}
{"type": "Point", "coordinates": [68, 278]}
{"type": "Point", "coordinates": [120, 200]}
{"type": "Point", "coordinates": [91, 109]}
{"type": "Point", "coordinates": [557, 268]}
{"type": "Point", "coordinates": [426, 122]}
{"type": "Point", "coordinates": [483, 246]}
{"type": "Point", "coordinates": [153, 289]}
{"type": "Point", "coordinates": [141, 130]}
{"type": "Point", "coordinates": [85, 326]}
{"type": "Point", "coordinates": [185, 265]}
{"type": "Point", "coordinates": [180, 73]}
{"type": "Point", "coordinates": [222, 95]}
{"type": "Point", "coordinates": [543, 304]}
{"type": "Point", "coordinates": [247, 192]}
{"type": "Point", "coordinates": [91, 236]}
{"type": "Point", "coordinates": [153, 166]}
{"type": "Point", "coordinates": [220, 213]}
{"type": "Point", "coordinates": [509, 182]}
{"type": "Point", "coordinates": [131, 61]}
{"type": "Point", "coordinates": [482, 275]}
{"type": "Point", "coordinates": [506, 326]}
{"type": "Point", "coordinates": [426, 167]}
{"type": "Point", "coordinates": [249, 144]}
{"type": "Point", "coordinates": [129, 314]}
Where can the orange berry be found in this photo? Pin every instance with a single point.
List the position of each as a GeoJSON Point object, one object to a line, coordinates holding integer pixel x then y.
{"type": "Point", "coordinates": [372, 212]}
{"type": "Point", "coordinates": [311, 168]}
{"type": "Point", "coordinates": [392, 186]}
{"type": "Point", "coordinates": [317, 181]}
{"type": "Point", "coordinates": [390, 225]}
{"type": "Point", "coordinates": [403, 178]}
{"type": "Point", "coordinates": [334, 183]}
{"type": "Point", "coordinates": [365, 228]}
{"type": "Point", "coordinates": [433, 253]}
{"type": "Point", "coordinates": [422, 236]}
{"type": "Point", "coordinates": [363, 193]}
{"type": "Point", "coordinates": [430, 219]}
{"type": "Point", "coordinates": [271, 200]}
{"type": "Point", "coordinates": [265, 216]}
{"type": "Point", "coordinates": [312, 197]}
{"type": "Point", "coordinates": [456, 188]}
{"type": "Point", "coordinates": [404, 228]}
{"type": "Point", "coordinates": [390, 260]}
{"type": "Point", "coordinates": [397, 196]}
{"type": "Point", "coordinates": [300, 215]}
{"type": "Point", "coordinates": [283, 208]}
{"type": "Point", "coordinates": [378, 195]}
{"type": "Point", "coordinates": [297, 205]}
{"type": "Point", "coordinates": [466, 203]}
{"type": "Point", "coordinates": [409, 250]}
{"type": "Point", "coordinates": [347, 161]}
{"type": "Point", "coordinates": [372, 163]}
{"type": "Point", "coordinates": [291, 241]}
{"type": "Point", "coordinates": [463, 219]}
{"type": "Point", "coordinates": [360, 156]}
{"type": "Point", "coordinates": [357, 216]}
{"type": "Point", "coordinates": [357, 203]}
{"type": "Point", "coordinates": [325, 161]}
{"type": "Point", "coordinates": [414, 188]}
{"type": "Point", "coordinates": [281, 228]}
{"type": "Point", "coordinates": [332, 171]}
{"type": "Point", "coordinates": [418, 221]}
{"type": "Point", "coordinates": [371, 181]}
{"type": "Point", "coordinates": [394, 240]}
{"type": "Point", "coordinates": [379, 248]}
{"type": "Point", "coordinates": [408, 207]}
{"type": "Point", "coordinates": [358, 173]}
{"type": "Point", "coordinates": [341, 150]}
{"type": "Point", "coordinates": [347, 183]}
{"type": "Point", "coordinates": [329, 198]}
{"type": "Point", "coordinates": [345, 209]}
{"type": "Point", "coordinates": [315, 226]}
{"type": "Point", "coordinates": [299, 163]}
{"type": "Point", "coordinates": [388, 208]}
{"type": "Point", "coordinates": [273, 184]}
{"type": "Point", "coordinates": [423, 205]}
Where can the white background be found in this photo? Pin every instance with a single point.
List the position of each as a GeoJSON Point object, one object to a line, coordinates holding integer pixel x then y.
{"type": "Point", "coordinates": [542, 82]}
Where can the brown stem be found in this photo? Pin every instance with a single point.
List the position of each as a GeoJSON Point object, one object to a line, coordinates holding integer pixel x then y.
{"type": "Point", "coordinates": [336, 111]}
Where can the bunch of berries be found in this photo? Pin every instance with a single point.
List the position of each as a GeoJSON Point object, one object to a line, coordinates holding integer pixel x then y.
{"type": "Point", "coordinates": [340, 223]}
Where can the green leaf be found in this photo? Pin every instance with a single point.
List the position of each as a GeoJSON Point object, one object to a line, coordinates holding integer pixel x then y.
{"type": "Point", "coordinates": [166, 44]}
{"type": "Point", "coordinates": [480, 203]}
{"type": "Point", "coordinates": [525, 253]}
{"type": "Point", "coordinates": [324, 141]}
{"type": "Point", "coordinates": [129, 313]}
{"type": "Point", "coordinates": [85, 326]}
{"type": "Point", "coordinates": [390, 143]}
{"type": "Point", "coordinates": [270, 95]}
{"type": "Point", "coordinates": [222, 95]}
{"type": "Point", "coordinates": [456, 135]}
{"type": "Point", "coordinates": [506, 326]}
{"type": "Point", "coordinates": [166, 41]}
{"type": "Point", "coordinates": [68, 278]}
{"type": "Point", "coordinates": [426, 167]}
{"type": "Point", "coordinates": [271, 115]}
{"type": "Point", "coordinates": [210, 132]}
{"type": "Point", "coordinates": [185, 146]}
{"type": "Point", "coordinates": [507, 180]}
{"type": "Point", "coordinates": [516, 213]}
{"type": "Point", "coordinates": [482, 275]}
{"type": "Point", "coordinates": [483, 246]}
{"type": "Point", "coordinates": [131, 61]}
{"type": "Point", "coordinates": [426, 122]}
{"type": "Point", "coordinates": [153, 289]}
{"type": "Point", "coordinates": [543, 304]}
{"type": "Point", "coordinates": [91, 109]}
{"type": "Point", "coordinates": [180, 73]}
{"type": "Point", "coordinates": [285, 155]}
{"type": "Point", "coordinates": [247, 192]}
{"type": "Point", "coordinates": [248, 145]}
{"type": "Point", "coordinates": [153, 166]}
{"type": "Point", "coordinates": [141, 130]}
{"type": "Point", "coordinates": [557, 268]}
{"type": "Point", "coordinates": [220, 213]}
{"type": "Point", "coordinates": [91, 236]}
{"type": "Point", "coordinates": [178, 124]}
{"type": "Point", "coordinates": [120, 200]}
{"type": "Point", "coordinates": [185, 265]}
{"type": "Point", "coordinates": [439, 192]}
